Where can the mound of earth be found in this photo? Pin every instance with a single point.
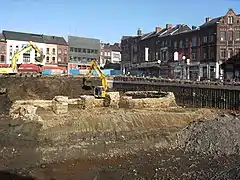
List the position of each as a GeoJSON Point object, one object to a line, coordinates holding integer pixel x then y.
{"type": "Point", "coordinates": [220, 135]}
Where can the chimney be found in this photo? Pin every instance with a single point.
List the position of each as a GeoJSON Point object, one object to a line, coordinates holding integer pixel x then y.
{"type": "Point", "coordinates": [208, 19]}
{"type": "Point", "coordinates": [139, 32]}
{"type": "Point", "coordinates": [169, 26]}
{"type": "Point", "coordinates": [158, 29]}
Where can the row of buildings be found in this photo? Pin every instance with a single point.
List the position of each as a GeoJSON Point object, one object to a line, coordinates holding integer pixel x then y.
{"type": "Point", "coordinates": [58, 52]}
{"type": "Point", "coordinates": [210, 51]}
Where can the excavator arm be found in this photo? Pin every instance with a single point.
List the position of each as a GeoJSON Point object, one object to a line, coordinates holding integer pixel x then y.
{"type": "Point", "coordinates": [94, 66]}
{"type": "Point", "coordinates": [23, 50]}
{"type": "Point", "coordinates": [17, 55]}
{"type": "Point", "coordinates": [99, 91]}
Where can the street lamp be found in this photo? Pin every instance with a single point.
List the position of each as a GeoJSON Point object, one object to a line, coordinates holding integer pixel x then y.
{"type": "Point", "coordinates": [183, 61]}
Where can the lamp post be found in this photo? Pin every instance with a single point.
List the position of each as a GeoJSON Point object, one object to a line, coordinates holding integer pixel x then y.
{"type": "Point", "coordinates": [183, 62]}
{"type": "Point", "coordinates": [159, 63]}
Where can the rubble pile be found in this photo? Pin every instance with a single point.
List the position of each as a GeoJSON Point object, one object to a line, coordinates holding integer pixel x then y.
{"type": "Point", "coordinates": [217, 136]}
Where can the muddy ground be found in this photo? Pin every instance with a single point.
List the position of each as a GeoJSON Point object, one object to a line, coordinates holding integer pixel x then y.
{"type": "Point", "coordinates": [205, 149]}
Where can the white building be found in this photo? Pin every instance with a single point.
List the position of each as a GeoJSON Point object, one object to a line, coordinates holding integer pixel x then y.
{"type": "Point", "coordinates": [14, 46]}
{"type": "Point", "coordinates": [49, 45]}
{"type": "Point", "coordinates": [115, 56]}
{"type": "Point", "coordinates": [110, 54]}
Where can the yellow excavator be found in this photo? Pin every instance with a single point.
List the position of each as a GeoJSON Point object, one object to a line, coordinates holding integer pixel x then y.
{"type": "Point", "coordinates": [99, 91]}
{"type": "Point", "coordinates": [13, 68]}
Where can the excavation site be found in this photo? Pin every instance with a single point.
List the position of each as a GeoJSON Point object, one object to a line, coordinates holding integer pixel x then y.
{"type": "Point", "coordinates": [53, 129]}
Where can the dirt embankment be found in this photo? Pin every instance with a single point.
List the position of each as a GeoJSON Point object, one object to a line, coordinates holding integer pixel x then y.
{"type": "Point", "coordinates": [44, 87]}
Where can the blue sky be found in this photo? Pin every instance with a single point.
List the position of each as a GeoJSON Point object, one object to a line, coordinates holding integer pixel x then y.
{"type": "Point", "coordinates": [107, 20]}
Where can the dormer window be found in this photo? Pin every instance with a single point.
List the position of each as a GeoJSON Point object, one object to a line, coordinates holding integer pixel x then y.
{"type": "Point", "coordinates": [230, 19]}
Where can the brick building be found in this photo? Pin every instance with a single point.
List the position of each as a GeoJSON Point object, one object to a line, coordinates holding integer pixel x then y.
{"type": "Point", "coordinates": [3, 49]}
{"type": "Point", "coordinates": [183, 52]}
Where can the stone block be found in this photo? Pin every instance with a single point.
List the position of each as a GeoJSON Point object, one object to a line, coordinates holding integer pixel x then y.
{"type": "Point", "coordinates": [112, 99]}
{"type": "Point", "coordinates": [60, 104]}
{"type": "Point", "coordinates": [88, 101]}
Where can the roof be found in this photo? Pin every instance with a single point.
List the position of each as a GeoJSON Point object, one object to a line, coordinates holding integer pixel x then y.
{"type": "Point", "coordinates": [40, 38]}
{"type": "Point", "coordinates": [54, 40]}
{"type": "Point", "coordinates": [112, 47]}
{"type": "Point", "coordinates": [12, 35]}
{"type": "Point", "coordinates": [211, 22]}
{"type": "Point", "coordinates": [2, 38]}
{"type": "Point", "coordinates": [180, 28]}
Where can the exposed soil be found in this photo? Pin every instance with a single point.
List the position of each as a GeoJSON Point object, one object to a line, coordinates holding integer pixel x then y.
{"type": "Point", "coordinates": [44, 87]}
{"type": "Point", "coordinates": [191, 159]}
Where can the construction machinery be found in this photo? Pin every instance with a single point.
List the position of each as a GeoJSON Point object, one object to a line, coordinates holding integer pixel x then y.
{"type": "Point", "coordinates": [99, 91]}
{"type": "Point", "coordinates": [12, 69]}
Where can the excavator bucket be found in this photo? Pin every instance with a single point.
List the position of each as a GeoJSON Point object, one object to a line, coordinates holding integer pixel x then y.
{"type": "Point", "coordinates": [87, 84]}
{"type": "Point", "coordinates": [40, 58]}
{"type": "Point", "coordinates": [90, 83]}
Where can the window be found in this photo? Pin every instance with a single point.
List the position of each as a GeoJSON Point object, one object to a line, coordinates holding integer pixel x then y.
{"type": "Point", "coordinates": [180, 44]}
{"type": "Point", "coordinates": [92, 51]}
{"type": "Point", "coordinates": [10, 54]}
{"type": "Point", "coordinates": [10, 48]}
{"type": "Point", "coordinates": [88, 51]}
{"type": "Point", "coordinates": [194, 41]}
{"type": "Point", "coordinates": [212, 53]}
{"type": "Point", "coordinates": [54, 51]}
{"type": "Point", "coordinates": [84, 50]}
{"type": "Point", "coordinates": [237, 52]}
{"type": "Point", "coordinates": [222, 36]}
{"type": "Point", "coordinates": [79, 50]}
{"type": "Point", "coordinates": [205, 39]}
{"type": "Point", "coordinates": [230, 35]}
{"type": "Point", "coordinates": [156, 56]}
{"type": "Point", "coordinates": [96, 51]}
{"type": "Point", "coordinates": [212, 38]}
{"type": "Point", "coordinates": [222, 53]}
{"type": "Point", "coordinates": [65, 51]}
{"type": "Point", "coordinates": [79, 58]}
{"type": "Point", "coordinates": [230, 53]}
{"type": "Point", "coordinates": [237, 35]}
{"type": "Point", "coordinates": [194, 56]}
{"type": "Point", "coordinates": [175, 44]}
{"type": "Point", "coordinates": [59, 51]}
{"type": "Point", "coordinates": [53, 59]}
{"type": "Point", "coordinates": [101, 53]}
{"type": "Point", "coordinates": [47, 51]}
{"type": "Point", "coordinates": [230, 19]}
{"type": "Point", "coordinates": [2, 58]}
{"type": "Point", "coordinates": [204, 55]}
{"type": "Point", "coordinates": [17, 48]}
{"type": "Point", "coordinates": [71, 49]}
{"type": "Point", "coordinates": [2, 49]}
{"type": "Point", "coordinates": [59, 59]}
{"type": "Point", "coordinates": [47, 59]}
{"type": "Point", "coordinates": [186, 45]}
{"type": "Point", "coordinates": [65, 59]}
{"type": "Point", "coordinates": [26, 57]}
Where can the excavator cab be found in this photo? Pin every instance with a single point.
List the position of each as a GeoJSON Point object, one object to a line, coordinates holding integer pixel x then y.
{"type": "Point", "coordinates": [99, 92]}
